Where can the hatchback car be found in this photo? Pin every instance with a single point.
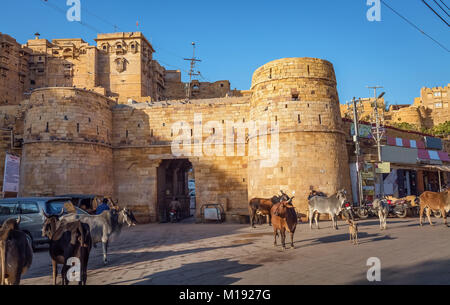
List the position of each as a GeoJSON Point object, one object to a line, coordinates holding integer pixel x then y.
{"type": "Point", "coordinates": [31, 213]}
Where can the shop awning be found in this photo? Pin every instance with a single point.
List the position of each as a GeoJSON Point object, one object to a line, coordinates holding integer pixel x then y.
{"type": "Point", "coordinates": [433, 155]}
{"type": "Point", "coordinates": [442, 168]}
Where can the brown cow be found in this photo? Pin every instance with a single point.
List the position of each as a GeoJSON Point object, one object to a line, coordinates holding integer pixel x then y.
{"type": "Point", "coordinates": [435, 201]}
{"type": "Point", "coordinates": [284, 218]}
{"type": "Point", "coordinates": [261, 207]}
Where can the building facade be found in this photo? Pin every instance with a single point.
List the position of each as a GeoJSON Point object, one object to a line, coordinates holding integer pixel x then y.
{"type": "Point", "coordinates": [109, 120]}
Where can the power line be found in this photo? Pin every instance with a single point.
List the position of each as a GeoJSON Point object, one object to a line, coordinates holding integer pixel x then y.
{"type": "Point", "coordinates": [441, 8]}
{"type": "Point", "coordinates": [116, 27]}
{"type": "Point", "coordinates": [415, 26]}
{"type": "Point", "coordinates": [63, 12]}
{"type": "Point", "coordinates": [445, 4]}
{"type": "Point", "coordinates": [436, 13]}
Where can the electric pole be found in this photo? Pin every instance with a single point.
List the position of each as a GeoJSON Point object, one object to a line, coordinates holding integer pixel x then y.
{"type": "Point", "coordinates": [378, 134]}
{"type": "Point", "coordinates": [192, 72]}
{"type": "Point", "coordinates": [357, 150]}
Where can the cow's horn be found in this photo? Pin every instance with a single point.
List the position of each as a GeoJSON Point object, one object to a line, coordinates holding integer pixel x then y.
{"type": "Point", "coordinates": [45, 214]}
{"type": "Point", "coordinates": [61, 213]}
{"type": "Point", "coordinates": [19, 219]}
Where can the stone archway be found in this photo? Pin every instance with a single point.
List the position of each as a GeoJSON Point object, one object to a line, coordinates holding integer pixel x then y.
{"type": "Point", "coordinates": [173, 183]}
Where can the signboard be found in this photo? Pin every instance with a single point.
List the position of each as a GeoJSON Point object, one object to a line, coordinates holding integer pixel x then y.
{"type": "Point", "coordinates": [11, 175]}
{"type": "Point", "coordinates": [212, 214]}
{"type": "Point", "coordinates": [365, 131]}
{"type": "Point", "coordinates": [383, 168]}
{"type": "Point", "coordinates": [368, 181]}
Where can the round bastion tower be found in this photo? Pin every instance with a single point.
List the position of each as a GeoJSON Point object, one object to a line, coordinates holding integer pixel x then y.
{"type": "Point", "coordinates": [300, 96]}
{"type": "Point", "coordinates": [67, 144]}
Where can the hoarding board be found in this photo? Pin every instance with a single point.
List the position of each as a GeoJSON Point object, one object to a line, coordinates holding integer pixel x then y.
{"type": "Point", "coordinates": [11, 175]}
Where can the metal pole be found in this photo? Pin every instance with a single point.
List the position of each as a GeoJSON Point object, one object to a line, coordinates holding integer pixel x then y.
{"type": "Point", "coordinates": [357, 152]}
{"type": "Point", "coordinates": [440, 183]}
{"type": "Point", "coordinates": [378, 138]}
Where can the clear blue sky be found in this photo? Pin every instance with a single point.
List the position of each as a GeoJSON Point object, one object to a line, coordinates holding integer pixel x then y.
{"type": "Point", "coordinates": [236, 37]}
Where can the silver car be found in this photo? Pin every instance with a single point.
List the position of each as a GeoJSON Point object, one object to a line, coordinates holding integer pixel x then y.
{"type": "Point", "coordinates": [31, 212]}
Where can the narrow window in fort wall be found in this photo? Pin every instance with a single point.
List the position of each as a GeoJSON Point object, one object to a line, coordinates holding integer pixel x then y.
{"type": "Point", "coordinates": [46, 128]}
{"type": "Point", "coordinates": [299, 119]}
{"type": "Point", "coordinates": [320, 119]}
{"type": "Point", "coordinates": [78, 127]}
{"type": "Point", "coordinates": [127, 134]}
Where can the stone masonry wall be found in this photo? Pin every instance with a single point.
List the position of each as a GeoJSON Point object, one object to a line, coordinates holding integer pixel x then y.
{"type": "Point", "coordinates": [67, 143]}
{"type": "Point", "coordinates": [300, 96]}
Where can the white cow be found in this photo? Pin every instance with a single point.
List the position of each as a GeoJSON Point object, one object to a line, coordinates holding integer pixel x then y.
{"type": "Point", "coordinates": [332, 205]}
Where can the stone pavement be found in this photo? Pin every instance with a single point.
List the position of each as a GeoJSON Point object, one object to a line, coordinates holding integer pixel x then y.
{"type": "Point", "coordinates": [197, 254]}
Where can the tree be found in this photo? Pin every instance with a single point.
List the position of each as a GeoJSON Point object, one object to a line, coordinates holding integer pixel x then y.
{"type": "Point", "coordinates": [441, 130]}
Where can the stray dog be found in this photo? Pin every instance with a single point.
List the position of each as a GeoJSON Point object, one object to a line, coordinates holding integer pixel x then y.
{"type": "Point", "coordinates": [353, 230]}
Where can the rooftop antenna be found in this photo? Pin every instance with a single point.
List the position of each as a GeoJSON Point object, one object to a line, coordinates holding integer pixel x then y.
{"type": "Point", "coordinates": [192, 72]}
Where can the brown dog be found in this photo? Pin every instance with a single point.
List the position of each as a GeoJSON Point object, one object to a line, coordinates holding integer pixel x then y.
{"type": "Point", "coordinates": [353, 230]}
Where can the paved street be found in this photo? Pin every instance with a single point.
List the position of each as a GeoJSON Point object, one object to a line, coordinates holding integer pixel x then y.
{"type": "Point", "coordinates": [188, 253]}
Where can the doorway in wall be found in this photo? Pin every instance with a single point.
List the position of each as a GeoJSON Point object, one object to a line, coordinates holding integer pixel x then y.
{"type": "Point", "coordinates": [175, 182]}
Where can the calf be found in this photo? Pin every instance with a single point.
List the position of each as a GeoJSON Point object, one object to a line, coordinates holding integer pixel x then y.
{"type": "Point", "coordinates": [16, 253]}
{"type": "Point", "coordinates": [328, 205]}
{"type": "Point", "coordinates": [381, 207]}
{"type": "Point", "coordinates": [435, 201]}
{"type": "Point", "coordinates": [284, 218]}
{"type": "Point", "coordinates": [67, 240]}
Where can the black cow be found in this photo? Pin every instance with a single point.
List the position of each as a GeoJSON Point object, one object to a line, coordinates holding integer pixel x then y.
{"type": "Point", "coordinates": [16, 253]}
{"type": "Point", "coordinates": [67, 240]}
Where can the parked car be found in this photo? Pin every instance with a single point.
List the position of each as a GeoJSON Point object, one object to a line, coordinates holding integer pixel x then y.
{"type": "Point", "coordinates": [31, 212]}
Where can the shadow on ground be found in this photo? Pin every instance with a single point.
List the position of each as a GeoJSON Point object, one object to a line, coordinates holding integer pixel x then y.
{"type": "Point", "coordinates": [363, 237]}
{"type": "Point", "coordinates": [436, 272]}
{"type": "Point", "coordinates": [117, 260]}
{"type": "Point", "coordinates": [205, 273]}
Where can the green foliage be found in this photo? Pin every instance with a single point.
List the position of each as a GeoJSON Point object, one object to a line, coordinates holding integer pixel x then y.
{"type": "Point", "coordinates": [406, 126]}
{"type": "Point", "coordinates": [441, 130]}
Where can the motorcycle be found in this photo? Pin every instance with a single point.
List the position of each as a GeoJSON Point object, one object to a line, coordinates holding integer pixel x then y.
{"type": "Point", "coordinates": [398, 208]}
{"type": "Point", "coordinates": [173, 216]}
{"type": "Point", "coordinates": [366, 210]}
{"type": "Point", "coordinates": [348, 211]}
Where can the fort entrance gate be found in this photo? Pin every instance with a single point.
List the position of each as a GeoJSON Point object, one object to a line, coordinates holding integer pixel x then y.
{"type": "Point", "coordinates": [173, 184]}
